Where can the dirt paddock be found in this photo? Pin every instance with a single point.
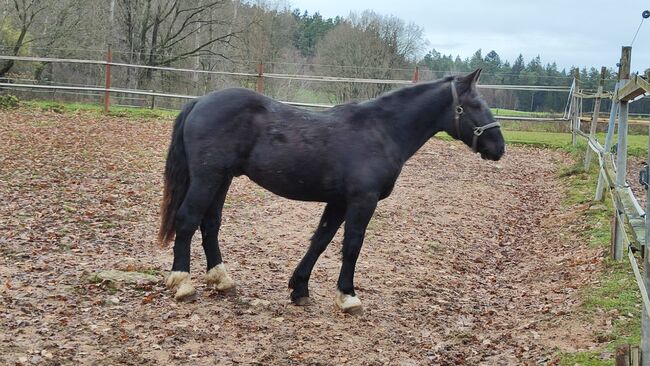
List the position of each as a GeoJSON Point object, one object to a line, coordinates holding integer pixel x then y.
{"type": "Point", "coordinates": [468, 262]}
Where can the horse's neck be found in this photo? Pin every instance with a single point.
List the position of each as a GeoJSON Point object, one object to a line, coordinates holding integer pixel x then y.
{"type": "Point", "coordinates": [417, 117]}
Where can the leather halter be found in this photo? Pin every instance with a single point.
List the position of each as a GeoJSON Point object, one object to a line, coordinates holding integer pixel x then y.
{"type": "Point", "coordinates": [458, 112]}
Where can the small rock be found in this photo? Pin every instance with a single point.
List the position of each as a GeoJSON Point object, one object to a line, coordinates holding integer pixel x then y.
{"type": "Point", "coordinates": [279, 319]}
{"type": "Point", "coordinates": [114, 300]}
{"type": "Point", "coordinates": [598, 207]}
{"type": "Point", "coordinates": [47, 354]}
{"type": "Point", "coordinates": [259, 303]}
{"type": "Point", "coordinates": [127, 277]}
{"type": "Point", "coordinates": [168, 315]}
{"type": "Point", "coordinates": [408, 362]}
{"type": "Point", "coordinates": [606, 356]}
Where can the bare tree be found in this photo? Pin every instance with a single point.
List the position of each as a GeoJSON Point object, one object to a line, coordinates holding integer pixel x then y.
{"type": "Point", "coordinates": [161, 32]}
{"type": "Point", "coordinates": [42, 22]}
{"type": "Point", "coordinates": [369, 46]}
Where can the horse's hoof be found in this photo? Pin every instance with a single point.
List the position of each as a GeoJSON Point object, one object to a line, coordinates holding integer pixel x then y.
{"type": "Point", "coordinates": [185, 292]}
{"type": "Point", "coordinates": [302, 301]}
{"type": "Point", "coordinates": [176, 278]}
{"type": "Point", "coordinates": [219, 278]}
{"type": "Point", "coordinates": [348, 304]}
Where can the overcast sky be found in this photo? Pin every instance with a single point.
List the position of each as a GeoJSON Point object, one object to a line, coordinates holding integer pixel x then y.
{"type": "Point", "coordinates": [583, 33]}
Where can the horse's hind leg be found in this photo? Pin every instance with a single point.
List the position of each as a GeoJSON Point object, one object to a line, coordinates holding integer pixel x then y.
{"type": "Point", "coordinates": [329, 223]}
{"type": "Point", "coordinates": [189, 216]}
{"type": "Point", "coordinates": [216, 272]}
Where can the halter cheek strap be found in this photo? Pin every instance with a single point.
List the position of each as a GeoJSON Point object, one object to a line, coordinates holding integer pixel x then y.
{"type": "Point", "coordinates": [458, 108]}
{"type": "Point", "coordinates": [458, 112]}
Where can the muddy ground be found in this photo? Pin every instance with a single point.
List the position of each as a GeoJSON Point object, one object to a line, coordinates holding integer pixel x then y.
{"type": "Point", "coordinates": [468, 262]}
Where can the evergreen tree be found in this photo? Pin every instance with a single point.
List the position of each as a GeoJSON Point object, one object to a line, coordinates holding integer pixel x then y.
{"type": "Point", "coordinates": [311, 29]}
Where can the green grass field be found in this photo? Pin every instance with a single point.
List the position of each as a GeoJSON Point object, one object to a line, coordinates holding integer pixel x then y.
{"type": "Point", "coordinates": [130, 112]}
{"type": "Point", "coordinates": [637, 144]}
{"type": "Point", "coordinates": [515, 113]}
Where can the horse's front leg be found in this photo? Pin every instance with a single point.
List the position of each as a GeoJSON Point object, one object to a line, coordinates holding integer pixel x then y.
{"type": "Point", "coordinates": [358, 215]}
{"type": "Point", "coordinates": [329, 223]}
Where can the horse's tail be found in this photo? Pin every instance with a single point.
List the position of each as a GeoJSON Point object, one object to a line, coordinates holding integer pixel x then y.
{"type": "Point", "coordinates": [177, 179]}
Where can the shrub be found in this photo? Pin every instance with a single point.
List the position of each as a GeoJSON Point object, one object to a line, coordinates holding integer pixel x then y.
{"type": "Point", "coordinates": [8, 101]}
{"type": "Point", "coordinates": [54, 107]}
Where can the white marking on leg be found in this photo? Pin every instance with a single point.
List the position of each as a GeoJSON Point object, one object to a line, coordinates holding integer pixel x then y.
{"type": "Point", "coordinates": [183, 284]}
{"type": "Point", "coordinates": [347, 303]}
{"type": "Point", "coordinates": [176, 278]}
{"type": "Point", "coordinates": [218, 277]}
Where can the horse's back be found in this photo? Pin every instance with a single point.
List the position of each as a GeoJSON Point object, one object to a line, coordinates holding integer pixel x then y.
{"type": "Point", "coordinates": [292, 152]}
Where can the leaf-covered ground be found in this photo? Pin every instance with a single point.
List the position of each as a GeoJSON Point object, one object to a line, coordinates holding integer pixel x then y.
{"type": "Point", "coordinates": [468, 262]}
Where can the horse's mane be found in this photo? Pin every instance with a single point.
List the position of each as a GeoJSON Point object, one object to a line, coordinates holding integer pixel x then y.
{"type": "Point", "coordinates": [411, 90]}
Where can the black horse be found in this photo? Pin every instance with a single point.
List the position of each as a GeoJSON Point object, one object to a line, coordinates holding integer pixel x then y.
{"type": "Point", "coordinates": [348, 157]}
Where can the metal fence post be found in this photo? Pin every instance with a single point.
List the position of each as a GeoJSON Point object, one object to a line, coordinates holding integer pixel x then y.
{"type": "Point", "coordinates": [594, 120]}
{"type": "Point", "coordinates": [575, 121]}
{"type": "Point", "coordinates": [621, 150]}
{"type": "Point", "coordinates": [611, 128]}
{"type": "Point", "coordinates": [645, 320]}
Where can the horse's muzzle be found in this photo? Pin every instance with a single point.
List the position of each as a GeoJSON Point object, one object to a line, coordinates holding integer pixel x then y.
{"type": "Point", "coordinates": [493, 152]}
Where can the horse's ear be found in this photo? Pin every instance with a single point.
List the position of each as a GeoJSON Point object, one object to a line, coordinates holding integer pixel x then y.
{"type": "Point", "coordinates": [475, 76]}
{"type": "Point", "coordinates": [468, 83]}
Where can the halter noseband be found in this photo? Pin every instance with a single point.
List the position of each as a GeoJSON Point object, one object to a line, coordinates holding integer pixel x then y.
{"type": "Point", "coordinates": [458, 112]}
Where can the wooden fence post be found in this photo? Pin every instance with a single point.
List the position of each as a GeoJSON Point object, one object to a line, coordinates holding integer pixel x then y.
{"type": "Point", "coordinates": [621, 150]}
{"type": "Point", "coordinates": [260, 78]}
{"type": "Point", "coordinates": [416, 75]}
{"type": "Point", "coordinates": [635, 359]}
{"type": "Point", "coordinates": [594, 119]}
{"type": "Point", "coordinates": [109, 60]}
{"type": "Point", "coordinates": [107, 93]}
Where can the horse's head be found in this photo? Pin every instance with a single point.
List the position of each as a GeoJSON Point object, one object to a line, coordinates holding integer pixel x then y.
{"type": "Point", "coordinates": [472, 121]}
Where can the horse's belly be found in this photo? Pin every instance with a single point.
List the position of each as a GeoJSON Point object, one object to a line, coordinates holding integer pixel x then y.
{"type": "Point", "coordinates": [294, 186]}
{"type": "Point", "coordinates": [295, 169]}
{"type": "Point", "coordinates": [299, 178]}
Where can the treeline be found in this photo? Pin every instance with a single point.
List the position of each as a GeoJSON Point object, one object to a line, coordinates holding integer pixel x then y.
{"type": "Point", "coordinates": [235, 36]}
{"type": "Point", "coordinates": [520, 72]}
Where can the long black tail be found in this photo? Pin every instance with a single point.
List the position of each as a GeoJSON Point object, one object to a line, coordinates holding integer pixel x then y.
{"type": "Point", "coordinates": [177, 179]}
